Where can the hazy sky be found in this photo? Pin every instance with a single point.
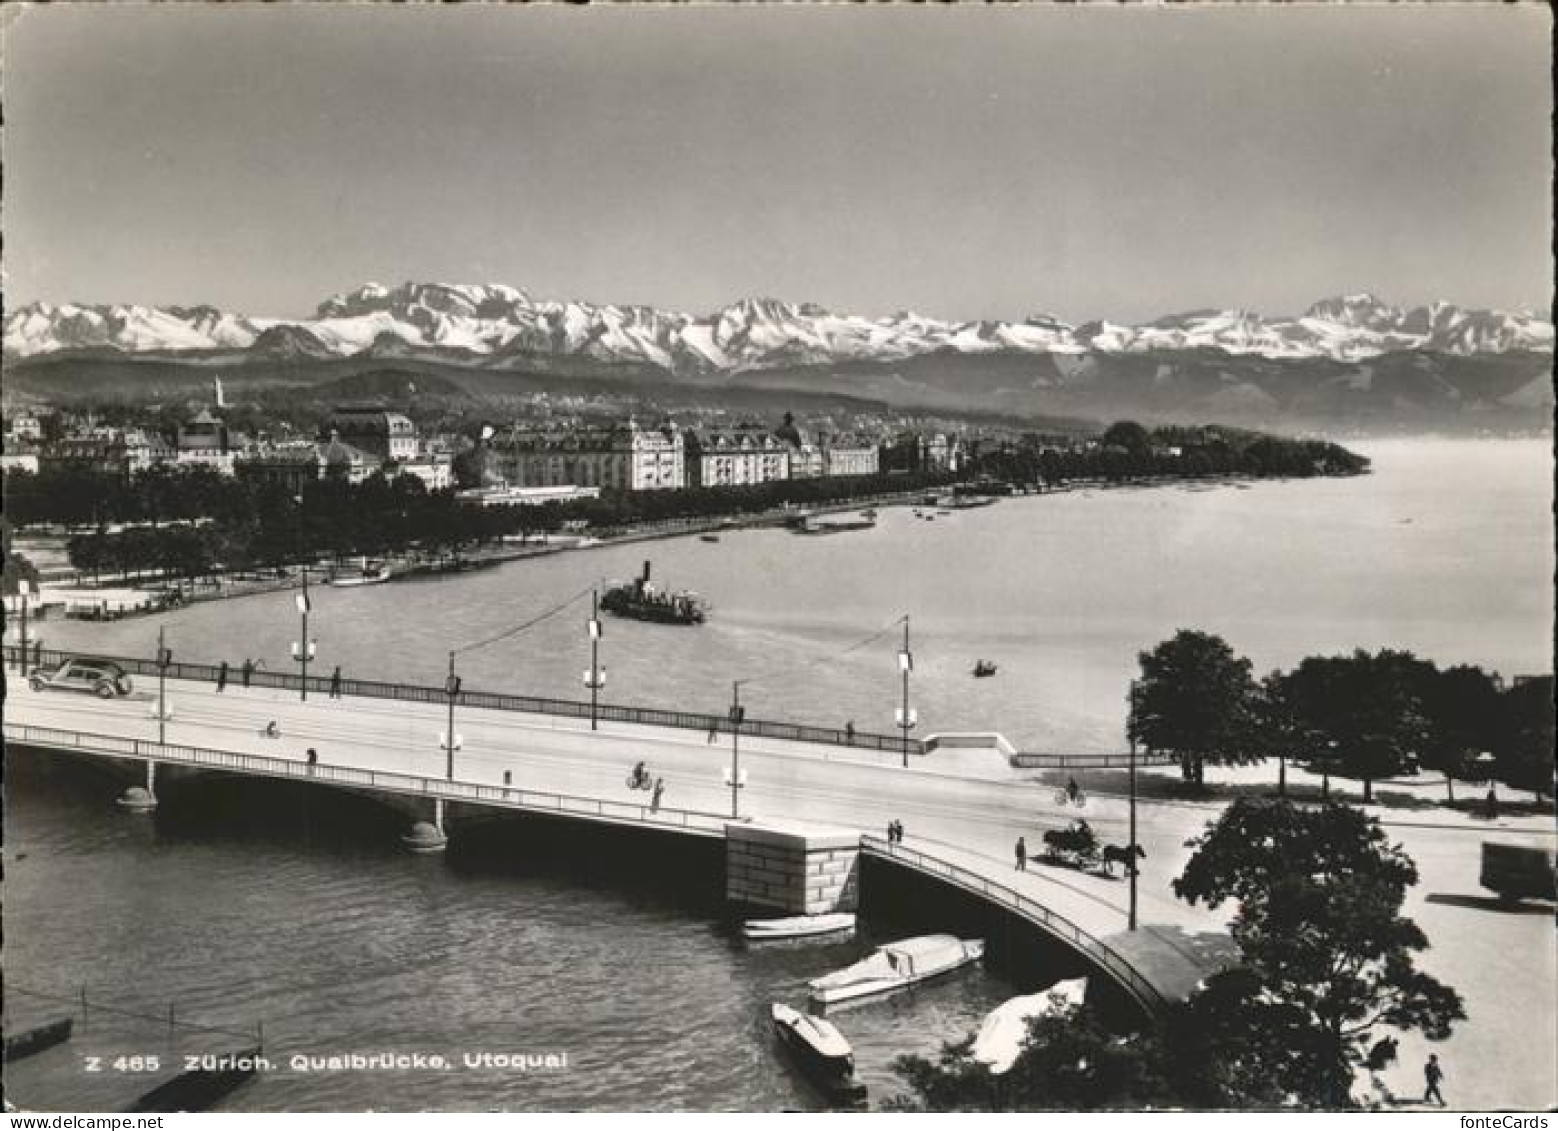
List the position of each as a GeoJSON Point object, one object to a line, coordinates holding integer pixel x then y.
{"type": "Point", "coordinates": [964, 162]}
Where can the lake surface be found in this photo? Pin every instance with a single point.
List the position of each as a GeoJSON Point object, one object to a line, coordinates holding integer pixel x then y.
{"type": "Point", "coordinates": [263, 902]}
{"type": "Point", "coordinates": [1445, 549]}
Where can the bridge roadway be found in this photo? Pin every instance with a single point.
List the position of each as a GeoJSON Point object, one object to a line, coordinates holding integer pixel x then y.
{"type": "Point", "coordinates": [965, 807]}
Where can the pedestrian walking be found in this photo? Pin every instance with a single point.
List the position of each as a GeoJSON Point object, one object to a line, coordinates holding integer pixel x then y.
{"type": "Point", "coordinates": [313, 759]}
{"type": "Point", "coordinates": [1432, 1074]}
{"type": "Point", "coordinates": [335, 683]}
{"type": "Point", "coordinates": [714, 731]}
{"type": "Point", "coordinates": [654, 801]}
{"type": "Point", "coordinates": [248, 670]}
{"type": "Point", "coordinates": [1492, 805]}
{"type": "Point", "coordinates": [221, 678]}
{"type": "Point", "coordinates": [849, 732]}
{"type": "Point", "coordinates": [1022, 855]}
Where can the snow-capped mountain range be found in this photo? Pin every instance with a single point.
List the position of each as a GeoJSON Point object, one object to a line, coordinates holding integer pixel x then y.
{"type": "Point", "coordinates": [502, 326]}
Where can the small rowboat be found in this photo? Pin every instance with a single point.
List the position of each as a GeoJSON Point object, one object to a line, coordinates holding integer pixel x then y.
{"type": "Point", "coordinates": [821, 1051]}
{"type": "Point", "coordinates": [798, 927]}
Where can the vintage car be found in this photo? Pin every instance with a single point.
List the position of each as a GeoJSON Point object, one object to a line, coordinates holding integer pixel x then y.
{"type": "Point", "coordinates": [102, 678]}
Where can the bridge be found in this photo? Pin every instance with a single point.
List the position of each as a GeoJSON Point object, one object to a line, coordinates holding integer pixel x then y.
{"type": "Point", "coordinates": [802, 813]}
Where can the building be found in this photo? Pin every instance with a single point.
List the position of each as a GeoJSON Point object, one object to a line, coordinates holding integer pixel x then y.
{"type": "Point", "coordinates": [806, 458]}
{"type": "Point", "coordinates": [290, 465]}
{"type": "Point", "coordinates": [742, 455]}
{"type": "Point", "coordinates": [388, 435]}
{"type": "Point", "coordinates": [205, 441]}
{"type": "Point", "coordinates": [121, 453]}
{"type": "Point", "coordinates": [849, 455]}
{"type": "Point", "coordinates": [623, 458]}
{"type": "Point", "coordinates": [26, 426]}
{"type": "Point", "coordinates": [436, 469]}
{"type": "Point", "coordinates": [338, 459]}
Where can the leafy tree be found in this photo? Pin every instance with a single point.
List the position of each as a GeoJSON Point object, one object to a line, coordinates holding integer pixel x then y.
{"type": "Point", "coordinates": [1460, 706]}
{"type": "Point", "coordinates": [1524, 743]}
{"type": "Point", "coordinates": [1364, 710]}
{"type": "Point", "coordinates": [1129, 435]}
{"type": "Point", "coordinates": [1195, 699]}
{"type": "Point", "coordinates": [1069, 1060]}
{"type": "Point", "coordinates": [1319, 927]}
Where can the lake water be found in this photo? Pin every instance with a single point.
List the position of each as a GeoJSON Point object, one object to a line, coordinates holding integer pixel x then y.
{"type": "Point", "coordinates": [267, 902]}
{"type": "Point", "coordinates": [1445, 549]}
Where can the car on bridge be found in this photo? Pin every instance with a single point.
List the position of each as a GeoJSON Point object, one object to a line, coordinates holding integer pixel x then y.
{"type": "Point", "coordinates": [102, 678]}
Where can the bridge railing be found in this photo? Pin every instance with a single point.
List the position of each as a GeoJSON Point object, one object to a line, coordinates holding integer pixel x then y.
{"type": "Point", "coordinates": [494, 701]}
{"type": "Point", "coordinates": [563, 804]}
{"type": "Point", "coordinates": [1028, 908]}
{"type": "Point", "coordinates": [1048, 760]}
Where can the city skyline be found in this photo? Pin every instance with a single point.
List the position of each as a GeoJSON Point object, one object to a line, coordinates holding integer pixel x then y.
{"type": "Point", "coordinates": [1088, 163]}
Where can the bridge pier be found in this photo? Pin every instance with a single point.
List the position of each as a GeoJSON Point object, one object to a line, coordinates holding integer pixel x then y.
{"type": "Point", "coordinates": [141, 799]}
{"type": "Point", "coordinates": [792, 869]}
{"type": "Point", "coordinates": [426, 837]}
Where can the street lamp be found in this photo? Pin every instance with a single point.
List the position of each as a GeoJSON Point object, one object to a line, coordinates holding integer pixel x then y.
{"type": "Point", "coordinates": [164, 658]}
{"type": "Point", "coordinates": [734, 778]}
{"type": "Point", "coordinates": [23, 591]}
{"type": "Point", "coordinates": [303, 648]}
{"type": "Point", "coordinates": [906, 718]}
{"type": "Point", "coordinates": [449, 741]}
{"type": "Point", "coordinates": [1130, 859]}
{"type": "Point", "coordinates": [595, 678]}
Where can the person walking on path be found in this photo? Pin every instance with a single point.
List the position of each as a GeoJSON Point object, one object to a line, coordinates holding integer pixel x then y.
{"type": "Point", "coordinates": [313, 759]}
{"type": "Point", "coordinates": [248, 670]}
{"type": "Point", "coordinates": [849, 732]}
{"type": "Point", "coordinates": [1022, 855]}
{"type": "Point", "coordinates": [335, 683]}
{"type": "Point", "coordinates": [654, 801]}
{"type": "Point", "coordinates": [1432, 1074]}
{"type": "Point", "coordinates": [1492, 805]}
{"type": "Point", "coordinates": [221, 678]}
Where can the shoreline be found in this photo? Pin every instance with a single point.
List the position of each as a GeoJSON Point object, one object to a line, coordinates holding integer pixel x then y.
{"type": "Point", "coordinates": [224, 587]}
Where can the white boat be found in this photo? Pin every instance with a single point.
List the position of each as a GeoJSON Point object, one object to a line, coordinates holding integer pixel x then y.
{"type": "Point", "coordinates": [1001, 1036]}
{"type": "Point", "coordinates": [375, 573]}
{"type": "Point", "coordinates": [799, 927]}
{"type": "Point", "coordinates": [821, 1051]}
{"type": "Point", "coordinates": [907, 962]}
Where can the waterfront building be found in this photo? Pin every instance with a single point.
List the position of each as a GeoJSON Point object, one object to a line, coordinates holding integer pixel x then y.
{"type": "Point", "coordinates": [290, 465]}
{"type": "Point", "coordinates": [527, 496]}
{"type": "Point", "coordinates": [19, 457]}
{"type": "Point", "coordinates": [740, 455]}
{"type": "Point", "coordinates": [121, 452]}
{"type": "Point", "coordinates": [436, 469]}
{"type": "Point", "coordinates": [387, 435]}
{"type": "Point", "coordinates": [626, 458]}
{"type": "Point", "coordinates": [849, 455]}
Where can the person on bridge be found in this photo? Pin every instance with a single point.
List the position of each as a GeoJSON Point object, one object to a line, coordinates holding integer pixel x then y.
{"type": "Point", "coordinates": [1072, 790]}
{"type": "Point", "coordinates": [335, 683]}
{"type": "Point", "coordinates": [272, 730]}
{"type": "Point", "coordinates": [221, 678]}
{"type": "Point", "coordinates": [313, 759]}
{"type": "Point", "coordinates": [248, 670]}
{"type": "Point", "coordinates": [654, 802]}
{"type": "Point", "coordinates": [1022, 855]}
{"type": "Point", "coordinates": [849, 732]}
{"type": "Point", "coordinates": [640, 775]}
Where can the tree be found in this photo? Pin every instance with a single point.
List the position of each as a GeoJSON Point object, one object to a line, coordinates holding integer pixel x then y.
{"type": "Point", "coordinates": [1129, 435]}
{"type": "Point", "coordinates": [1524, 744]}
{"type": "Point", "coordinates": [1329, 957]}
{"type": "Point", "coordinates": [1364, 711]}
{"type": "Point", "coordinates": [1194, 699]}
{"type": "Point", "coordinates": [1069, 1060]}
{"type": "Point", "coordinates": [1460, 706]}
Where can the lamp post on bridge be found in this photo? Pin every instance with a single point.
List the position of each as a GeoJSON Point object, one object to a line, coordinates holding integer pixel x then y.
{"type": "Point", "coordinates": [733, 776]}
{"type": "Point", "coordinates": [303, 649]}
{"type": "Point", "coordinates": [906, 717]}
{"type": "Point", "coordinates": [164, 658]}
{"type": "Point", "coordinates": [595, 678]}
{"type": "Point", "coordinates": [449, 741]}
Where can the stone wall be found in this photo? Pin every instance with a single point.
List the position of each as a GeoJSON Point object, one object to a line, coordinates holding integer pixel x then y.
{"type": "Point", "coordinates": [791, 868]}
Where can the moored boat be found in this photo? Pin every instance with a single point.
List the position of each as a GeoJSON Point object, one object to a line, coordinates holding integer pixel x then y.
{"type": "Point", "coordinates": [1000, 1038]}
{"type": "Point", "coordinates": [896, 966]}
{"type": "Point", "coordinates": [799, 927]}
{"type": "Point", "coordinates": [365, 573]}
{"type": "Point", "coordinates": [821, 1051]}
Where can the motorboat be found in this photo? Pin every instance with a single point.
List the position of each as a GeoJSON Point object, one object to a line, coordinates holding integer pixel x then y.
{"type": "Point", "coordinates": [983, 668]}
{"type": "Point", "coordinates": [708, 537]}
{"type": "Point", "coordinates": [897, 966]}
{"type": "Point", "coordinates": [640, 599]}
{"type": "Point", "coordinates": [1000, 1038]}
{"type": "Point", "coordinates": [365, 573]}
{"type": "Point", "coordinates": [821, 1051]}
{"type": "Point", "coordinates": [799, 927]}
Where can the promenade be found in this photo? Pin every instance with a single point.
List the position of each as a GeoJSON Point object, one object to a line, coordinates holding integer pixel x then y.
{"type": "Point", "coordinates": [963, 806]}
